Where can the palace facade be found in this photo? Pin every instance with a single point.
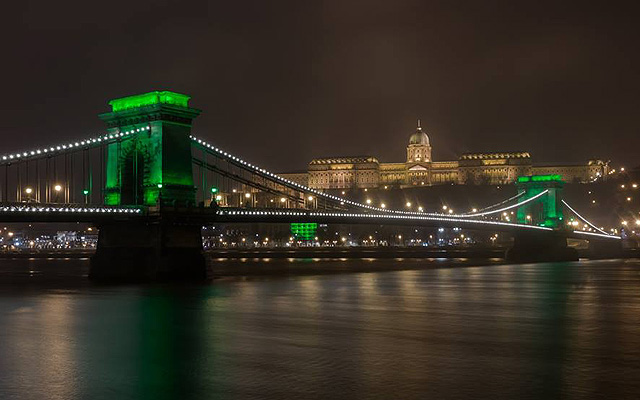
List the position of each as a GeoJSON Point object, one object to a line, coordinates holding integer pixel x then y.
{"type": "Point", "coordinates": [420, 169]}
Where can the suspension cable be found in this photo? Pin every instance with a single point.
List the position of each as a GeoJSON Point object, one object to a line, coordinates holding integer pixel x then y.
{"type": "Point", "coordinates": [480, 214]}
{"type": "Point", "coordinates": [583, 218]}
{"type": "Point", "coordinates": [502, 202]}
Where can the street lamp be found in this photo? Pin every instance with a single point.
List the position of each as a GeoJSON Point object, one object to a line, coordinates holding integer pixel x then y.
{"type": "Point", "coordinates": [57, 188]}
{"type": "Point", "coordinates": [28, 191]}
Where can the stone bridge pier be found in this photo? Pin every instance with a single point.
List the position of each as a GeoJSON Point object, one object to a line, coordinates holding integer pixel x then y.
{"type": "Point", "coordinates": [540, 247]}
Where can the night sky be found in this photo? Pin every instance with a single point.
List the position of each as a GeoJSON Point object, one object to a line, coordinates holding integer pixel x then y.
{"type": "Point", "coordinates": [281, 82]}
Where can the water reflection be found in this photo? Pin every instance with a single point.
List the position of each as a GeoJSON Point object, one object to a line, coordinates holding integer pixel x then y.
{"type": "Point", "coordinates": [509, 331]}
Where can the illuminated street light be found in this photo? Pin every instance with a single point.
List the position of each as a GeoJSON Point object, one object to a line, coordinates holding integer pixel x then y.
{"type": "Point", "coordinates": [247, 195]}
{"type": "Point", "coordinates": [474, 210]}
{"type": "Point", "coordinates": [310, 198]}
{"type": "Point", "coordinates": [408, 204]}
{"type": "Point", "coordinates": [57, 188]}
{"type": "Point", "coordinates": [282, 199]}
{"type": "Point", "coordinates": [444, 207]}
{"type": "Point", "coordinates": [382, 205]}
{"type": "Point", "coordinates": [624, 223]}
{"type": "Point", "coordinates": [628, 198]}
{"type": "Point", "coordinates": [450, 211]}
{"type": "Point", "coordinates": [420, 208]}
{"type": "Point", "coordinates": [28, 190]}
{"type": "Point", "coordinates": [638, 222]}
{"type": "Point", "coordinates": [159, 185]}
{"type": "Point", "coordinates": [368, 201]}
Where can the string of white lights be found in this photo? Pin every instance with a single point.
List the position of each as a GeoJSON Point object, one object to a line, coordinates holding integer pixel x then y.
{"type": "Point", "coordinates": [61, 148]}
{"type": "Point", "coordinates": [504, 208]}
{"type": "Point", "coordinates": [65, 209]}
{"type": "Point", "coordinates": [583, 218]}
{"type": "Point", "coordinates": [287, 182]}
{"type": "Point", "coordinates": [312, 214]}
{"type": "Point", "coordinates": [502, 202]}
{"type": "Point", "coordinates": [606, 235]}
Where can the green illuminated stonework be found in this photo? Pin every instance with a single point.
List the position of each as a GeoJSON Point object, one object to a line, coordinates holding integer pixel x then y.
{"type": "Point", "coordinates": [540, 178]}
{"type": "Point", "coordinates": [152, 167]}
{"type": "Point", "coordinates": [304, 230]}
{"type": "Point", "coordinates": [546, 210]}
{"type": "Point", "coordinates": [151, 98]}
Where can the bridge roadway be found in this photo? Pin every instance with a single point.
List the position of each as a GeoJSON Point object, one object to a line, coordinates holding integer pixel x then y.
{"type": "Point", "coordinates": [23, 212]}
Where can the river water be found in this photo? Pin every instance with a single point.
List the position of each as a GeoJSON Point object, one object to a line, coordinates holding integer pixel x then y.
{"type": "Point", "coordinates": [435, 329]}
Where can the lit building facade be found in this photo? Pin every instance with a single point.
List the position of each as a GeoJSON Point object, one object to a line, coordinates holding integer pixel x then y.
{"type": "Point", "coordinates": [419, 169]}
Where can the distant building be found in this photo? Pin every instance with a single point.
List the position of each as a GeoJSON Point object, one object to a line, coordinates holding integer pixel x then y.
{"type": "Point", "coordinates": [361, 172]}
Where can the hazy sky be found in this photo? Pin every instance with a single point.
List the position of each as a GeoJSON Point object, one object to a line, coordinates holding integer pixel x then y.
{"type": "Point", "coordinates": [281, 82]}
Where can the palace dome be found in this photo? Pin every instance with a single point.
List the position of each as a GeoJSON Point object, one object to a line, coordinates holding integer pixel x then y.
{"type": "Point", "coordinates": [419, 137]}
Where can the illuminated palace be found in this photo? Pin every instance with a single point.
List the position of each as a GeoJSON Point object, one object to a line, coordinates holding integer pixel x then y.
{"type": "Point", "coordinates": [420, 169]}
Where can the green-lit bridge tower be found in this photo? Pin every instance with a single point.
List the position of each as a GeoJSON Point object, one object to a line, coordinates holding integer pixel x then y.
{"type": "Point", "coordinates": [536, 245]}
{"type": "Point", "coordinates": [153, 165]}
{"type": "Point", "coordinates": [545, 211]}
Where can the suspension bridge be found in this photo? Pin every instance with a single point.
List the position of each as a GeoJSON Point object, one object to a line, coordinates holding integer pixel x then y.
{"type": "Point", "coordinates": [150, 185]}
